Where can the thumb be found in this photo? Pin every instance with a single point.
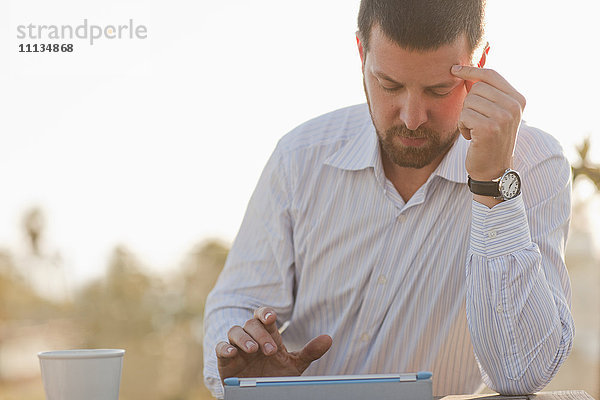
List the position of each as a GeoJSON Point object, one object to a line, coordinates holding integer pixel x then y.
{"type": "Point", "coordinates": [313, 351]}
{"type": "Point", "coordinates": [466, 132]}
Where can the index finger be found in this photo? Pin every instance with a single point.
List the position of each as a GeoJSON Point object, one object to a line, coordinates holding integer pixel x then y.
{"type": "Point", "coordinates": [488, 76]}
{"type": "Point", "coordinates": [268, 317]}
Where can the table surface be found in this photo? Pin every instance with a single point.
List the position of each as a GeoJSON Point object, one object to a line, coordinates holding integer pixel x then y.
{"type": "Point", "coordinates": [562, 395]}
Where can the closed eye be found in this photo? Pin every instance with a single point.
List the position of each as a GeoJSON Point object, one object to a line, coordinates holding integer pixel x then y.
{"type": "Point", "coordinates": [441, 90]}
{"type": "Point", "coordinates": [439, 94]}
{"type": "Point", "coordinates": [391, 89]}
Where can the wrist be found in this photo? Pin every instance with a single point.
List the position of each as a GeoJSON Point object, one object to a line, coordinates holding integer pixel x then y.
{"type": "Point", "coordinates": [489, 172]}
{"type": "Point", "coordinates": [488, 175]}
{"type": "Point", "coordinates": [505, 187]}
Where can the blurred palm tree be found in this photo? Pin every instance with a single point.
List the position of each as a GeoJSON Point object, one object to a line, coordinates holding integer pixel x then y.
{"type": "Point", "coordinates": [34, 224]}
{"type": "Point", "coordinates": [585, 167]}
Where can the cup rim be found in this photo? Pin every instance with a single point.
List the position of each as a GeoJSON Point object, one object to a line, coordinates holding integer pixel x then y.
{"type": "Point", "coordinates": [81, 353]}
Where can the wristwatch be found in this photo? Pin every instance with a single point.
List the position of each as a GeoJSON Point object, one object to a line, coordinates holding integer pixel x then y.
{"type": "Point", "coordinates": [507, 187]}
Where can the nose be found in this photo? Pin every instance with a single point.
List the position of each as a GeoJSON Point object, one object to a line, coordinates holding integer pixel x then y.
{"type": "Point", "coordinates": [413, 111]}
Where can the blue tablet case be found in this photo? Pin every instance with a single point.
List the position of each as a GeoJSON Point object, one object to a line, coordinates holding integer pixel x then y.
{"type": "Point", "coordinates": [337, 387]}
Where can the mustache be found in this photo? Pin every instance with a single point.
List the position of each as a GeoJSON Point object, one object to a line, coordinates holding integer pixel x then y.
{"type": "Point", "coordinates": [404, 132]}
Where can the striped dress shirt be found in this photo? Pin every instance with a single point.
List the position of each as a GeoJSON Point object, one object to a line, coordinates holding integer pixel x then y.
{"type": "Point", "coordinates": [438, 283]}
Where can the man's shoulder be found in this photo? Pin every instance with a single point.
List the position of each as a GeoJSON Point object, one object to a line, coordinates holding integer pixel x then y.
{"type": "Point", "coordinates": [327, 130]}
{"type": "Point", "coordinates": [535, 146]}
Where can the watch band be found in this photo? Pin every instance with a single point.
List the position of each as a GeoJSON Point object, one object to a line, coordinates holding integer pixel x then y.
{"type": "Point", "coordinates": [485, 188]}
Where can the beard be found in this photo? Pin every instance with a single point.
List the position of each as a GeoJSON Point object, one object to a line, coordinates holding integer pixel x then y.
{"type": "Point", "coordinates": [412, 156]}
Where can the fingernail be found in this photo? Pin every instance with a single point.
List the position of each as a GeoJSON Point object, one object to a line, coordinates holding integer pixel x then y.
{"type": "Point", "coordinates": [269, 348]}
{"type": "Point", "coordinates": [249, 344]}
{"type": "Point", "coordinates": [456, 68]}
{"type": "Point", "coordinates": [230, 349]}
{"type": "Point", "coordinates": [267, 315]}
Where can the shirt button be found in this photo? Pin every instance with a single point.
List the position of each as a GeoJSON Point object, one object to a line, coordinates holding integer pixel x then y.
{"type": "Point", "coordinates": [382, 280]}
{"type": "Point", "coordinates": [364, 337]}
{"type": "Point", "coordinates": [492, 234]}
{"type": "Point", "coordinates": [401, 218]}
{"type": "Point", "coordinates": [499, 308]}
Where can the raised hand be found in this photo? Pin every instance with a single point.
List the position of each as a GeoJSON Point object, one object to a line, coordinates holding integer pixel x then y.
{"type": "Point", "coordinates": [490, 118]}
{"type": "Point", "coordinates": [257, 350]}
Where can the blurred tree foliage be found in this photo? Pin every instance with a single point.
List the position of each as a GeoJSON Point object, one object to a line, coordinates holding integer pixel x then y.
{"type": "Point", "coordinates": [157, 320]}
{"type": "Point", "coordinates": [17, 299]}
{"type": "Point", "coordinates": [117, 313]}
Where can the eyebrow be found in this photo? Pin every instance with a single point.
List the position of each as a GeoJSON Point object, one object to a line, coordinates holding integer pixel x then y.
{"type": "Point", "coordinates": [441, 85]}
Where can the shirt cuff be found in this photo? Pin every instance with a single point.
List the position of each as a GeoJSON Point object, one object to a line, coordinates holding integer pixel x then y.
{"type": "Point", "coordinates": [214, 385]}
{"type": "Point", "coordinates": [500, 230]}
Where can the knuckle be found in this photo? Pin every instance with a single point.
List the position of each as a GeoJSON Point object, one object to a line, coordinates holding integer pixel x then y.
{"type": "Point", "coordinates": [250, 323]}
{"type": "Point", "coordinates": [466, 113]}
{"type": "Point", "coordinates": [522, 100]}
{"type": "Point", "coordinates": [505, 116]}
{"type": "Point", "coordinates": [476, 87]}
{"type": "Point", "coordinates": [515, 108]}
{"type": "Point", "coordinates": [494, 73]}
{"type": "Point", "coordinates": [495, 127]}
{"type": "Point", "coordinates": [468, 101]}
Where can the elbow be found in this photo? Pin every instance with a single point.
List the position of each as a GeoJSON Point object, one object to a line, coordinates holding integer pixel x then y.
{"type": "Point", "coordinates": [517, 387]}
{"type": "Point", "coordinates": [530, 378]}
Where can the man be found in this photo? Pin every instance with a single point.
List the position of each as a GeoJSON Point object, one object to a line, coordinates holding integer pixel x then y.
{"type": "Point", "coordinates": [381, 232]}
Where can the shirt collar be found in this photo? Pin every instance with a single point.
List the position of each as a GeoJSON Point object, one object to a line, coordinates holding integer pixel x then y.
{"type": "Point", "coordinates": [362, 151]}
{"type": "Point", "coordinates": [452, 167]}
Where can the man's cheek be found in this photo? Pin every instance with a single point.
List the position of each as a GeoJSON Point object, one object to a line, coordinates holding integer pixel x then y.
{"type": "Point", "coordinates": [450, 110]}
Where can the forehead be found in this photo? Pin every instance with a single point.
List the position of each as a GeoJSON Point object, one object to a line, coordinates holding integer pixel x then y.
{"type": "Point", "coordinates": [427, 67]}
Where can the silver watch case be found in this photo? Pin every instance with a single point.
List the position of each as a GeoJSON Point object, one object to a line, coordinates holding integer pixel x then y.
{"type": "Point", "coordinates": [509, 185]}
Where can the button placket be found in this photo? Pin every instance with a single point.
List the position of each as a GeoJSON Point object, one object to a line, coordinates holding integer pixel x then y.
{"type": "Point", "coordinates": [378, 292]}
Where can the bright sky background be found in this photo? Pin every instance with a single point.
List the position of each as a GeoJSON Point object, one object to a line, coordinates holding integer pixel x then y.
{"type": "Point", "coordinates": [158, 143]}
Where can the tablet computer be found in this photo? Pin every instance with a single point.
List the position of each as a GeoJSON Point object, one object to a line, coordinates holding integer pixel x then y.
{"type": "Point", "coordinates": [415, 386]}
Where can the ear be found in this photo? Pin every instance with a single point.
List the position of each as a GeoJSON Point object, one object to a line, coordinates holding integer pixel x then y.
{"type": "Point", "coordinates": [360, 51]}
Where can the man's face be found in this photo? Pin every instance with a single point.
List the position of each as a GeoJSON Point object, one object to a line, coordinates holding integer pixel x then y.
{"type": "Point", "coordinates": [414, 100]}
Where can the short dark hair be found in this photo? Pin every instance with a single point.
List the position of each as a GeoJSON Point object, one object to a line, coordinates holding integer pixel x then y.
{"type": "Point", "coordinates": [422, 24]}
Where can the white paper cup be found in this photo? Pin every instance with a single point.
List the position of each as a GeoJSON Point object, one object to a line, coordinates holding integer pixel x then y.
{"type": "Point", "coordinates": [93, 374]}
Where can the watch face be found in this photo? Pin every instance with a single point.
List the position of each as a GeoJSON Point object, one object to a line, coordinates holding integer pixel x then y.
{"type": "Point", "coordinates": [510, 185]}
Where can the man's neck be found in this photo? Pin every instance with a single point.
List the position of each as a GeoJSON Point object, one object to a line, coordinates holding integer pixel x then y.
{"type": "Point", "coordinates": [408, 180]}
